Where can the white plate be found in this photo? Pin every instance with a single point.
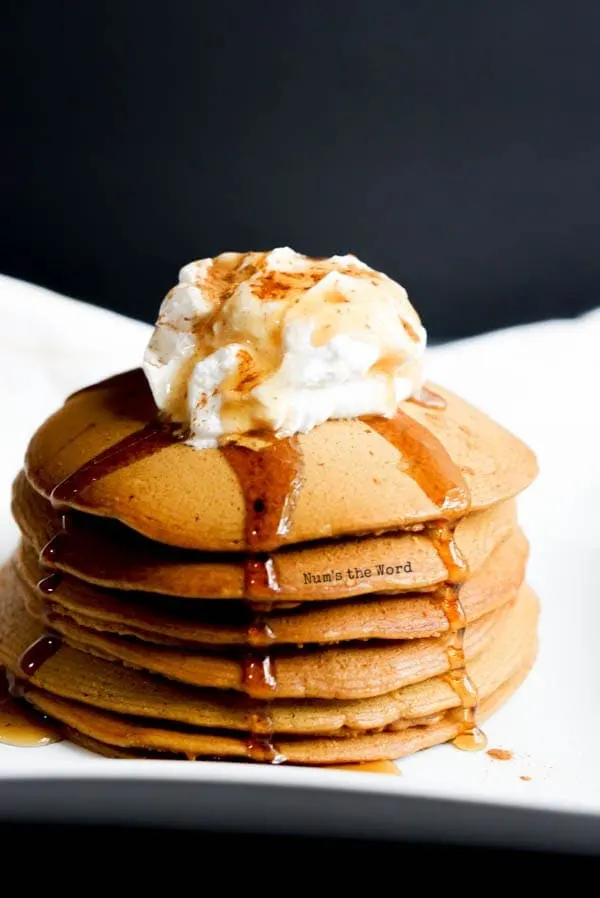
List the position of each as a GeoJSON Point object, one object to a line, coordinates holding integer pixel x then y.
{"type": "Point", "coordinates": [539, 380]}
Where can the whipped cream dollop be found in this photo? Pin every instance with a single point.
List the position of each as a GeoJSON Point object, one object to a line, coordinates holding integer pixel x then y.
{"type": "Point", "coordinates": [280, 342]}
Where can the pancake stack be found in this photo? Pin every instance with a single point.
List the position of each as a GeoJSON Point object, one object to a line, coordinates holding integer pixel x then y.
{"type": "Point", "coordinates": [352, 594]}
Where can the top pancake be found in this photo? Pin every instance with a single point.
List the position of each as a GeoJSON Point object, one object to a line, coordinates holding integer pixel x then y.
{"type": "Point", "coordinates": [106, 553]}
{"type": "Point", "coordinates": [354, 481]}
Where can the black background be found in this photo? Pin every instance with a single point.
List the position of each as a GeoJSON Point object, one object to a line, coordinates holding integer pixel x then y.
{"type": "Point", "coordinates": [452, 143]}
{"type": "Point", "coordinates": [156, 861]}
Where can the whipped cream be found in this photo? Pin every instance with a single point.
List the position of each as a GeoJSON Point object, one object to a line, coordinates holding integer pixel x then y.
{"type": "Point", "coordinates": [281, 342]}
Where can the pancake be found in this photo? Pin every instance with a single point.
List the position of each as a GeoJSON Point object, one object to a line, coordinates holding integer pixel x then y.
{"type": "Point", "coordinates": [99, 728]}
{"type": "Point", "coordinates": [109, 554]}
{"type": "Point", "coordinates": [348, 478]}
{"type": "Point", "coordinates": [169, 621]}
{"type": "Point", "coordinates": [71, 674]}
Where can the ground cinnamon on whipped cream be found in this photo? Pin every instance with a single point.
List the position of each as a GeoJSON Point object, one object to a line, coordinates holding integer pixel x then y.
{"type": "Point", "coordinates": [280, 342]}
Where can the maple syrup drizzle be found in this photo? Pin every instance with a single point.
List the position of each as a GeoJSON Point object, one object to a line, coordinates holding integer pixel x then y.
{"type": "Point", "coordinates": [50, 552]}
{"type": "Point", "coordinates": [469, 737]}
{"type": "Point", "coordinates": [430, 466]}
{"type": "Point", "coordinates": [258, 675]}
{"type": "Point", "coordinates": [137, 445]}
{"type": "Point", "coordinates": [386, 767]}
{"type": "Point", "coordinates": [260, 721]}
{"type": "Point", "coordinates": [261, 748]}
{"type": "Point", "coordinates": [259, 681]}
{"type": "Point", "coordinates": [260, 633]}
{"type": "Point", "coordinates": [270, 479]}
{"type": "Point", "coordinates": [428, 399]}
{"type": "Point", "coordinates": [441, 534]}
{"type": "Point", "coordinates": [259, 745]}
{"type": "Point", "coordinates": [260, 577]}
{"type": "Point", "coordinates": [427, 462]}
{"type": "Point", "coordinates": [40, 651]}
{"type": "Point", "coordinates": [19, 724]}
{"type": "Point", "coordinates": [50, 583]}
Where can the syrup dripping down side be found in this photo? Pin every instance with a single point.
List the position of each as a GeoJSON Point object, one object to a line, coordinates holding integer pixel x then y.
{"type": "Point", "coordinates": [270, 479]}
{"type": "Point", "coordinates": [260, 577]}
{"type": "Point", "coordinates": [49, 584]}
{"type": "Point", "coordinates": [427, 462]}
{"type": "Point", "coordinates": [138, 445]}
{"type": "Point", "coordinates": [40, 651]}
{"type": "Point", "coordinates": [430, 466]}
{"type": "Point", "coordinates": [441, 534]}
{"type": "Point", "coordinates": [388, 768]}
{"type": "Point", "coordinates": [469, 737]}
{"type": "Point", "coordinates": [259, 682]}
{"type": "Point", "coordinates": [262, 749]}
{"type": "Point", "coordinates": [258, 675]}
{"type": "Point", "coordinates": [20, 725]}
{"type": "Point", "coordinates": [48, 644]}
{"type": "Point", "coordinates": [260, 632]}
{"type": "Point", "coordinates": [51, 551]}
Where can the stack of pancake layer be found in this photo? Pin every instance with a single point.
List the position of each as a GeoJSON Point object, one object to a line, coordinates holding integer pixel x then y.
{"type": "Point", "coordinates": [352, 594]}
